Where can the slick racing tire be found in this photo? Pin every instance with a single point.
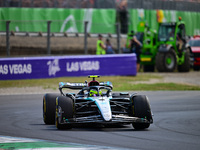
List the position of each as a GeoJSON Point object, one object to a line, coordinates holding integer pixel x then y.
{"type": "Point", "coordinates": [64, 110]}
{"type": "Point", "coordinates": [49, 108]}
{"type": "Point", "coordinates": [141, 109]}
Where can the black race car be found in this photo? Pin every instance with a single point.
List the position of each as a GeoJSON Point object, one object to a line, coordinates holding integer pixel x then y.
{"type": "Point", "coordinates": [95, 103]}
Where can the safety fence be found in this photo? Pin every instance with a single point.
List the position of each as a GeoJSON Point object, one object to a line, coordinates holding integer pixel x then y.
{"type": "Point", "coordinates": [46, 35]}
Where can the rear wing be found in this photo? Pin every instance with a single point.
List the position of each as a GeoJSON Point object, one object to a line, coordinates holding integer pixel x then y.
{"type": "Point", "coordinates": [78, 86]}
{"type": "Point", "coordinates": [72, 85]}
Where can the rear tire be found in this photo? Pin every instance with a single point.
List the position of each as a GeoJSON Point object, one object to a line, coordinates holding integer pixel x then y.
{"type": "Point", "coordinates": [64, 110]}
{"type": "Point", "coordinates": [49, 107]}
{"type": "Point", "coordinates": [141, 109]}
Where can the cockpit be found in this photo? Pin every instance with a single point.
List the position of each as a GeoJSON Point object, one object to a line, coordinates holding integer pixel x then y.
{"type": "Point", "coordinates": [95, 91]}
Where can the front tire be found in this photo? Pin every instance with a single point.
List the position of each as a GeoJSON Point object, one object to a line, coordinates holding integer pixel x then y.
{"type": "Point", "coordinates": [49, 107]}
{"type": "Point", "coordinates": [64, 111]}
{"type": "Point", "coordinates": [141, 109]}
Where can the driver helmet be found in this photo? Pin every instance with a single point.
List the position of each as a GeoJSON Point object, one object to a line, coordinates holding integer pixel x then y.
{"type": "Point", "coordinates": [94, 93]}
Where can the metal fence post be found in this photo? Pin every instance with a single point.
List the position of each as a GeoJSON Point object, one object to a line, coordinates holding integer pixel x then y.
{"type": "Point", "coordinates": [32, 4]}
{"type": "Point", "coordinates": [118, 37]}
{"type": "Point", "coordinates": [8, 38]}
{"type": "Point", "coordinates": [48, 37]}
{"type": "Point", "coordinates": [85, 37]}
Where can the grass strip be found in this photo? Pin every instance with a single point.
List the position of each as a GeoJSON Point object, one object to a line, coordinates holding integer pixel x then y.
{"type": "Point", "coordinates": [120, 83]}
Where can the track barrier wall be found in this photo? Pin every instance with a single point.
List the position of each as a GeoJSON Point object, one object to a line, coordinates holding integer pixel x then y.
{"type": "Point", "coordinates": [65, 66]}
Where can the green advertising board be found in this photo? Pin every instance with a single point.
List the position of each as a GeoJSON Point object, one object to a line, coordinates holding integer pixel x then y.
{"type": "Point", "coordinates": [99, 20]}
{"type": "Point", "coordinates": [63, 20]}
{"type": "Point", "coordinates": [192, 19]}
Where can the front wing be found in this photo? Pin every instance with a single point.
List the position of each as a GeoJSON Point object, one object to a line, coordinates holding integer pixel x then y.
{"type": "Point", "coordinates": [98, 119]}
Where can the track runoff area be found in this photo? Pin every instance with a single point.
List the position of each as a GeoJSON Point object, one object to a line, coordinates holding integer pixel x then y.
{"type": "Point", "coordinates": [17, 143]}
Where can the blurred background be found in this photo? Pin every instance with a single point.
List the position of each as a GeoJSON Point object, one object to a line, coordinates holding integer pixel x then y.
{"type": "Point", "coordinates": [185, 5]}
{"type": "Point", "coordinates": [39, 27]}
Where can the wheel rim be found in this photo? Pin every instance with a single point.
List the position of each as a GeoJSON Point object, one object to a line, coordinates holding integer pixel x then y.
{"type": "Point", "coordinates": [169, 61]}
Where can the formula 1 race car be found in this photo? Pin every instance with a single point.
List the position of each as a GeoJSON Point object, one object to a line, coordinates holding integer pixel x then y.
{"type": "Point", "coordinates": [95, 103]}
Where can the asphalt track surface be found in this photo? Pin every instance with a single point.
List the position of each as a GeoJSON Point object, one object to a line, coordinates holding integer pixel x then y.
{"type": "Point", "coordinates": [176, 123]}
